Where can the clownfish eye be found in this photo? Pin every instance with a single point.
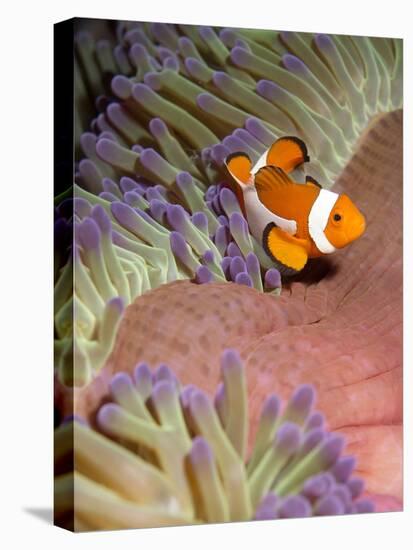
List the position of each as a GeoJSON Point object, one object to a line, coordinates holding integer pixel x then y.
{"type": "Point", "coordinates": [337, 217]}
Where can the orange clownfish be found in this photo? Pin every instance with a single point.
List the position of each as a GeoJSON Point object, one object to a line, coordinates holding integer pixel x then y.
{"type": "Point", "coordinates": [293, 221]}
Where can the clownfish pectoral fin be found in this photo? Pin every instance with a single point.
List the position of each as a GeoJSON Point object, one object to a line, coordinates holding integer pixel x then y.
{"type": "Point", "coordinates": [285, 250]}
{"type": "Point", "coordinates": [239, 165]}
{"type": "Point", "coordinates": [309, 180]}
{"type": "Point", "coordinates": [287, 153]}
{"type": "Point", "coordinates": [270, 178]}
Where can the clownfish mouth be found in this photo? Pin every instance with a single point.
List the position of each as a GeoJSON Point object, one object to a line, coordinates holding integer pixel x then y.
{"type": "Point", "coordinates": [356, 229]}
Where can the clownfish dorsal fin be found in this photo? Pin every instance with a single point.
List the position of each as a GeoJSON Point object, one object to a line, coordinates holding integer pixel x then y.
{"type": "Point", "coordinates": [309, 180]}
{"type": "Point", "coordinates": [287, 153]}
{"type": "Point", "coordinates": [269, 178]}
{"type": "Point", "coordinates": [239, 165]}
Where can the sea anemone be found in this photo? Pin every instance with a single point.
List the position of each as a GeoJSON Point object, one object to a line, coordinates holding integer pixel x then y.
{"type": "Point", "coordinates": [125, 247]}
{"type": "Point", "coordinates": [169, 455]}
{"type": "Point", "coordinates": [216, 90]}
{"type": "Point", "coordinates": [85, 320]}
{"type": "Point", "coordinates": [151, 205]}
{"type": "Point", "coordinates": [170, 102]}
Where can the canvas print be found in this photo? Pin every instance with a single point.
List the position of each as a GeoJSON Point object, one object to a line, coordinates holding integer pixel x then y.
{"type": "Point", "coordinates": [228, 274]}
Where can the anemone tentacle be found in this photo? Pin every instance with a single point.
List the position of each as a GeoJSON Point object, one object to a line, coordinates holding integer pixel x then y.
{"type": "Point", "coordinates": [182, 458]}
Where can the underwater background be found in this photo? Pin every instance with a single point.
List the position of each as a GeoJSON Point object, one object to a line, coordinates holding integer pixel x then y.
{"type": "Point", "coordinates": [178, 341]}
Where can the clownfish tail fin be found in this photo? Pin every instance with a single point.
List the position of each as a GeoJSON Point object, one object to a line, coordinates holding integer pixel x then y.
{"type": "Point", "coordinates": [239, 165]}
{"type": "Point", "coordinates": [287, 153]}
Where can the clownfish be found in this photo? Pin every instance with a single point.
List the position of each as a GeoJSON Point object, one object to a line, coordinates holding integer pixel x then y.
{"type": "Point", "coordinates": [293, 221]}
